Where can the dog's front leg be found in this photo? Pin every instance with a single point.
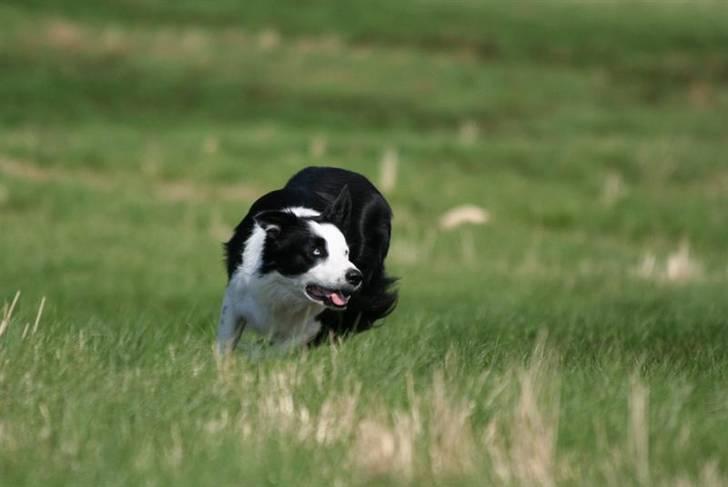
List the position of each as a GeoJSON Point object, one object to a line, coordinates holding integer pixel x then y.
{"type": "Point", "coordinates": [230, 328]}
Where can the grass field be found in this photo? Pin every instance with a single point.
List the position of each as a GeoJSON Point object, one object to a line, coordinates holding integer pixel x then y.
{"type": "Point", "coordinates": [579, 337]}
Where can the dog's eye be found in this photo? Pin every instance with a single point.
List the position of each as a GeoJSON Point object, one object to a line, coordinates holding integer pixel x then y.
{"type": "Point", "coordinates": [316, 252]}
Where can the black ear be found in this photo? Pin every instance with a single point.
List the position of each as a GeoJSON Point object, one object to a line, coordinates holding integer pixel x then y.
{"type": "Point", "coordinates": [339, 211]}
{"type": "Point", "coordinates": [273, 222]}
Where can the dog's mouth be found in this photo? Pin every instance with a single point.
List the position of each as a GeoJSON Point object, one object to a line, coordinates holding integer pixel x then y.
{"type": "Point", "coordinates": [333, 298]}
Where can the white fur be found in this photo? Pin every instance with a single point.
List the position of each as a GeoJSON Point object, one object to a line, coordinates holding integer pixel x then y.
{"type": "Point", "coordinates": [253, 250]}
{"type": "Point", "coordinates": [302, 212]}
{"type": "Point", "coordinates": [274, 305]}
{"type": "Point", "coordinates": [331, 272]}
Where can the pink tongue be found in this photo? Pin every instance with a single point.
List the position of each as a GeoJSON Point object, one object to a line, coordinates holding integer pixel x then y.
{"type": "Point", "coordinates": [338, 299]}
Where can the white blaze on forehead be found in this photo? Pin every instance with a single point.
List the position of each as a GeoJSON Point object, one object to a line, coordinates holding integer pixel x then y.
{"type": "Point", "coordinates": [335, 240]}
{"type": "Point", "coordinates": [302, 212]}
{"type": "Point", "coordinates": [331, 271]}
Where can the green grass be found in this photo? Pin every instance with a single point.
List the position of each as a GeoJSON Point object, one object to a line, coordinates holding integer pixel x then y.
{"type": "Point", "coordinates": [577, 338]}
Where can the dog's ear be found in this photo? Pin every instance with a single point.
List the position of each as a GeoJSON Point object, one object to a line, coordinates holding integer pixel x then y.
{"type": "Point", "coordinates": [273, 222]}
{"type": "Point", "coordinates": [339, 211]}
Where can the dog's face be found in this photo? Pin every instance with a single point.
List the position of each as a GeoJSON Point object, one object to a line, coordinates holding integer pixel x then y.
{"type": "Point", "coordinates": [311, 253]}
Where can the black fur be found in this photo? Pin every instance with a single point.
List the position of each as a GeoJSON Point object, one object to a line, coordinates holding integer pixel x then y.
{"type": "Point", "coordinates": [351, 202]}
{"type": "Point", "coordinates": [289, 245]}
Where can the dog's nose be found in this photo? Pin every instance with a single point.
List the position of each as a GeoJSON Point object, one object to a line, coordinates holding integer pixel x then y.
{"type": "Point", "coordinates": [354, 277]}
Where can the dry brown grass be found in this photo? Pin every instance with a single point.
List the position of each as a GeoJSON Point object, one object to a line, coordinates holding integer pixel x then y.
{"type": "Point", "coordinates": [194, 44]}
{"type": "Point", "coordinates": [464, 215]}
{"type": "Point", "coordinates": [7, 317]}
{"type": "Point", "coordinates": [435, 438]}
{"type": "Point", "coordinates": [501, 427]}
{"type": "Point", "coordinates": [388, 170]}
{"type": "Point", "coordinates": [8, 314]}
{"type": "Point", "coordinates": [613, 189]}
{"type": "Point", "coordinates": [639, 448]}
{"type": "Point", "coordinates": [521, 443]}
{"type": "Point", "coordinates": [680, 266]}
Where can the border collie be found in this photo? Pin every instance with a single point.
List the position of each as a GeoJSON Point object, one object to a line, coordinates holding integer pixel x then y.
{"type": "Point", "coordinates": [307, 262]}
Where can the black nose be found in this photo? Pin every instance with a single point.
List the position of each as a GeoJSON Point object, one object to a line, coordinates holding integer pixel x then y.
{"type": "Point", "coordinates": [354, 277]}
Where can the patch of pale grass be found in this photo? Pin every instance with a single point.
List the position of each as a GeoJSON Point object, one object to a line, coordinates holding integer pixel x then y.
{"type": "Point", "coordinates": [8, 314]}
{"type": "Point", "coordinates": [24, 170]}
{"type": "Point", "coordinates": [64, 34]}
{"type": "Point", "coordinates": [534, 433]}
{"type": "Point", "coordinates": [639, 448]}
{"type": "Point", "coordinates": [388, 170]}
{"type": "Point", "coordinates": [269, 39]}
{"type": "Point", "coordinates": [318, 146]}
{"type": "Point", "coordinates": [500, 428]}
{"type": "Point", "coordinates": [452, 447]}
{"type": "Point", "coordinates": [434, 436]}
{"type": "Point", "coordinates": [648, 267]}
{"type": "Point", "coordinates": [386, 447]}
{"type": "Point", "coordinates": [211, 145]}
{"type": "Point", "coordinates": [613, 189]}
{"type": "Point", "coordinates": [710, 476]}
{"type": "Point", "coordinates": [37, 320]}
{"type": "Point", "coordinates": [174, 452]}
{"type": "Point", "coordinates": [191, 43]}
{"type": "Point", "coordinates": [464, 215]}
{"type": "Point", "coordinates": [218, 229]}
{"type": "Point", "coordinates": [182, 191]}
{"type": "Point", "coordinates": [680, 266]}
{"type": "Point", "coordinates": [468, 133]}
{"type": "Point", "coordinates": [326, 43]}
{"type": "Point", "coordinates": [521, 445]}
{"type": "Point", "coordinates": [280, 409]}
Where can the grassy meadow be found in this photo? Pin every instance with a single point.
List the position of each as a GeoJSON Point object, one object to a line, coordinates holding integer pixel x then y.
{"type": "Point", "coordinates": [577, 336]}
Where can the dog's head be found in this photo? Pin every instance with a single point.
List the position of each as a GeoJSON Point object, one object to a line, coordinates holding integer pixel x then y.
{"type": "Point", "coordinates": [311, 253]}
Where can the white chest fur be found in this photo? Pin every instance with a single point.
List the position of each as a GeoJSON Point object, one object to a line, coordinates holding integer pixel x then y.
{"type": "Point", "coordinates": [269, 306]}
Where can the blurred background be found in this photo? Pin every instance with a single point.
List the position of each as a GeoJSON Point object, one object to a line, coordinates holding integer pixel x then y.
{"type": "Point", "coordinates": [559, 178]}
{"type": "Point", "coordinates": [586, 141]}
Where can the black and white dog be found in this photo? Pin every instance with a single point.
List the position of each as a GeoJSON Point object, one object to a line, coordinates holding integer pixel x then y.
{"type": "Point", "coordinates": [307, 261]}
